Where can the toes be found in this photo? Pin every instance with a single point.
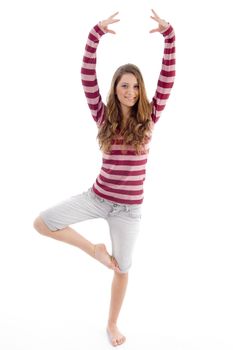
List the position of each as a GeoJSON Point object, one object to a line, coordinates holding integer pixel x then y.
{"type": "Point", "coordinates": [114, 342]}
{"type": "Point", "coordinates": [116, 339]}
{"type": "Point", "coordinates": [112, 264]}
{"type": "Point", "coordinates": [121, 340]}
{"type": "Point", "coordinates": [102, 256]}
{"type": "Point", "coordinates": [115, 265]}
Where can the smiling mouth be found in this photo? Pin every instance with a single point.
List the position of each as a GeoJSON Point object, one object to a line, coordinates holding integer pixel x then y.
{"type": "Point", "coordinates": [130, 99]}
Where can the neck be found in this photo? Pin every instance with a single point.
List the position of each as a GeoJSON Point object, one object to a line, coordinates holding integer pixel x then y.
{"type": "Point", "coordinates": [125, 116]}
{"type": "Point", "coordinates": [125, 112]}
{"type": "Point", "coordinates": [124, 121]}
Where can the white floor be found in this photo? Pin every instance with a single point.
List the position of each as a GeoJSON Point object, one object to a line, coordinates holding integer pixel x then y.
{"type": "Point", "coordinates": [74, 334]}
{"type": "Point", "coordinates": [83, 335]}
{"type": "Point", "coordinates": [55, 297]}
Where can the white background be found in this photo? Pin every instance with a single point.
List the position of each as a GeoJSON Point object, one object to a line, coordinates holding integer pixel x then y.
{"type": "Point", "coordinates": [53, 296]}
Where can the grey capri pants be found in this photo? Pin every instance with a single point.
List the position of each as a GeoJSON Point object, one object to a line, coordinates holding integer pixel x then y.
{"type": "Point", "coordinates": [123, 221]}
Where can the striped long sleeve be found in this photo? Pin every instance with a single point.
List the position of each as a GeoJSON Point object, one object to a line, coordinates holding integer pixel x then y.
{"type": "Point", "coordinates": [167, 74]}
{"type": "Point", "coordinates": [123, 171]}
{"type": "Point", "coordinates": [88, 75]}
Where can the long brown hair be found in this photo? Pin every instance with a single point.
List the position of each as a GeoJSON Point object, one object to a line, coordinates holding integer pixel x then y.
{"type": "Point", "coordinates": [139, 124]}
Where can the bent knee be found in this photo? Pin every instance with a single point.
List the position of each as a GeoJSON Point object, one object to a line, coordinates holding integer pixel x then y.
{"type": "Point", "coordinates": [40, 226]}
{"type": "Point", "coordinates": [124, 266]}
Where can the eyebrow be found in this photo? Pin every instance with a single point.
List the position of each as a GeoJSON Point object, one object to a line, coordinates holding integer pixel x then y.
{"type": "Point", "coordinates": [124, 82]}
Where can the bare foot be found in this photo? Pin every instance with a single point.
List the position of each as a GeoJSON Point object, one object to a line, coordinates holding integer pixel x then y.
{"type": "Point", "coordinates": [115, 336]}
{"type": "Point", "coordinates": [102, 256]}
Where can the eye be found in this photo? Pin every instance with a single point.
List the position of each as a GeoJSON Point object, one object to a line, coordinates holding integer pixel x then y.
{"type": "Point", "coordinates": [136, 87]}
{"type": "Point", "coordinates": [124, 85]}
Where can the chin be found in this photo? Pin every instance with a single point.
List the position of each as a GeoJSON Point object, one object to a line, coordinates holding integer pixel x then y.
{"type": "Point", "coordinates": [131, 104]}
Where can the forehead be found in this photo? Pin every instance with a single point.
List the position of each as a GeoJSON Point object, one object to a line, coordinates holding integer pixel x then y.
{"type": "Point", "coordinates": [128, 78]}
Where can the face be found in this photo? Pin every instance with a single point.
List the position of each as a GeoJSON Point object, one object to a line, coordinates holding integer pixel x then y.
{"type": "Point", "coordinates": [127, 91]}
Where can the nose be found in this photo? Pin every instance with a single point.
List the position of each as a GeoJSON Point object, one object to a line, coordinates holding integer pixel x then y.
{"type": "Point", "coordinates": [130, 92]}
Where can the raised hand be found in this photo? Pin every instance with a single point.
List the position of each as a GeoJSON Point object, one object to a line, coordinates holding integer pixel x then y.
{"type": "Point", "coordinates": [162, 24]}
{"type": "Point", "coordinates": [105, 23]}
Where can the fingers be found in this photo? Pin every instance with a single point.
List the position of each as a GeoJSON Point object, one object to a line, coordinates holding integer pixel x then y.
{"type": "Point", "coordinates": [116, 13]}
{"type": "Point", "coordinates": [155, 17]}
{"type": "Point", "coordinates": [110, 20]}
{"type": "Point", "coordinates": [162, 23]}
{"type": "Point", "coordinates": [154, 30]}
{"type": "Point", "coordinates": [115, 20]}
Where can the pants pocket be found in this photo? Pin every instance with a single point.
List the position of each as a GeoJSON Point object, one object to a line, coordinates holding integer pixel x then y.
{"type": "Point", "coordinates": [135, 213]}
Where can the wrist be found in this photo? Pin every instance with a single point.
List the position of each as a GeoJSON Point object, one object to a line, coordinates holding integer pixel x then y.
{"type": "Point", "coordinates": [166, 31]}
{"type": "Point", "coordinates": [99, 30]}
{"type": "Point", "coordinates": [101, 27]}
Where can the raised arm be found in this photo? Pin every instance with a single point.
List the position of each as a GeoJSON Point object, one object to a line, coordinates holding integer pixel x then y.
{"type": "Point", "coordinates": [167, 74]}
{"type": "Point", "coordinates": [88, 69]}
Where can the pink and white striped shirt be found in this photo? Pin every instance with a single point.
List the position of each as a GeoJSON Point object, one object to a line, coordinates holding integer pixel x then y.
{"type": "Point", "coordinates": [123, 171]}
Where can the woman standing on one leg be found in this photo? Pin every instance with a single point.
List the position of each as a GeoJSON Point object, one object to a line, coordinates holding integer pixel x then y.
{"type": "Point", "coordinates": [125, 126]}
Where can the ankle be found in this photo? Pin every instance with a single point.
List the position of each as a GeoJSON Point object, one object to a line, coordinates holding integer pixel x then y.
{"type": "Point", "coordinates": [112, 324]}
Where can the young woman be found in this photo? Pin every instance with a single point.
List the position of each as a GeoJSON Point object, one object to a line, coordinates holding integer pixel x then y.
{"type": "Point", "coordinates": [125, 126]}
